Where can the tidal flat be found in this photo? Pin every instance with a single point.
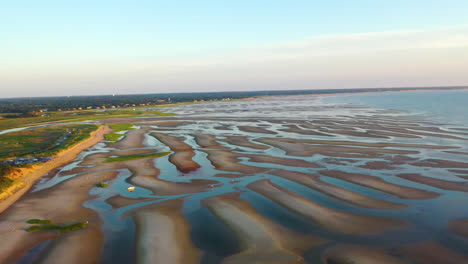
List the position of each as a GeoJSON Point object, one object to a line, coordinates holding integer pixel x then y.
{"type": "Point", "coordinates": [268, 180]}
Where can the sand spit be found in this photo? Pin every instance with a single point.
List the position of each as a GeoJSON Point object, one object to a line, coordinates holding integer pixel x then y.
{"type": "Point", "coordinates": [431, 252]}
{"type": "Point", "coordinates": [457, 152]}
{"type": "Point", "coordinates": [460, 171]}
{"type": "Point", "coordinates": [459, 226]}
{"type": "Point", "coordinates": [441, 184]}
{"type": "Point", "coordinates": [68, 197]}
{"type": "Point", "coordinates": [262, 240]}
{"type": "Point", "coordinates": [347, 254]}
{"type": "Point", "coordinates": [182, 158]}
{"type": "Point", "coordinates": [377, 183]}
{"type": "Point", "coordinates": [61, 159]}
{"type": "Point", "coordinates": [243, 142]}
{"type": "Point", "coordinates": [183, 161]}
{"type": "Point", "coordinates": [296, 148]}
{"type": "Point", "coordinates": [119, 201]}
{"type": "Point", "coordinates": [254, 129]}
{"type": "Point", "coordinates": [228, 161]}
{"type": "Point", "coordinates": [281, 161]}
{"type": "Point", "coordinates": [314, 182]}
{"type": "Point", "coordinates": [437, 163]}
{"type": "Point", "coordinates": [378, 165]}
{"type": "Point", "coordinates": [70, 248]}
{"type": "Point", "coordinates": [144, 174]}
{"type": "Point", "coordinates": [207, 141]}
{"type": "Point", "coordinates": [163, 234]}
{"type": "Point", "coordinates": [174, 143]}
{"type": "Point", "coordinates": [328, 218]}
{"type": "Point", "coordinates": [133, 139]}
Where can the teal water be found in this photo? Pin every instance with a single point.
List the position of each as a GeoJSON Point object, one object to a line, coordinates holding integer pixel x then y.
{"type": "Point", "coordinates": [442, 106]}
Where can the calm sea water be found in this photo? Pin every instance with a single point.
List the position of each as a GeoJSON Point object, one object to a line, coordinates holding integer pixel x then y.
{"type": "Point", "coordinates": [446, 106]}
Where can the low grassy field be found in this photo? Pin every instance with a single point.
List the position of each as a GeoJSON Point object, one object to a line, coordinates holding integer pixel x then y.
{"type": "Point", "coordinates": [77, 116]}
{"type": "Point", "coordinates": [116, 136]}
{"type": "Point", "coordinates": [138, 156]}
{"type": "Point", "coordinates": [42, 142]}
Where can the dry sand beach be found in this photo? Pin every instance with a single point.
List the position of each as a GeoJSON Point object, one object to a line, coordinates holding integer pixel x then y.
{"type": "Point", "coordinates": [268, 180]}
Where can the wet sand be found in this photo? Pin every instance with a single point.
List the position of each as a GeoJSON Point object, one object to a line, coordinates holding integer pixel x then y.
{"type": "Point", "coordinates": [314, 182]}
{"type": "Point", "coordinates": [431, 252]}
{"type": "Point", "coordinates": [347, 254]}
{"type": "Point", "coordinates": [243, 142]}
{"type": "Point", "coordinates": [438, 163]}
{"type": "Point", "coordinates": [441, 184]}
{"type": "Point", "coordinates": [163, 234]}
{"type": "Point", "coordinates": [62, 204]}
{"type": "Point", "coordinates": [377, 183]}
{"type": "Point", "coordinates": [328, 218]}
{"type": "Point", "coordinates": [281, 161]}
{"type": "Point", "coordinates": [262, 241]}
{"type": "Point", "coordinates": [254, 129]}
{"type": "Point", "coordinates": [207, 141]}
{"type": "Point", "coordinates": [228, 161]}
{"type": "Point", "coordinates": [459, 226]}
{"type": "Point", "coordinates": [182, 158]}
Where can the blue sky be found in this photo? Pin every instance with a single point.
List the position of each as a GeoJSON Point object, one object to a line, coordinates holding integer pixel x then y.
{"type": "Point", "coordinates": [102, 47]}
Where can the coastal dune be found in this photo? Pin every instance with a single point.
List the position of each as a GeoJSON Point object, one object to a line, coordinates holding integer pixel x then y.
{"type": "Point", "coordinates": [62, 158]}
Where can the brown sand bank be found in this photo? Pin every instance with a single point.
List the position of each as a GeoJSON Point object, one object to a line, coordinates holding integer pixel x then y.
{"type": "Point", "coordinates": [262, 240]}
{"type": "Point", "coordinates": [430, 252]}
{"type": "Point", "coordinates": [207, 141]}
{"type": "Point", "coordinates": [146, 175]}
{"type": "Point", "coordinates": [281, 161]}
{"type": "Point", "coordinates": [441, 184]}
{"type": "Point", "coordinates": [183, 161]}
{"type": "Point", "coordinates": [228, 161]}
{"type": "Point", "coordinates": [347, 254]}
{"type": "Point", "coordinates": [438, 163]}
{"type": "Point", "coordinates": [163, 234]}
{"type": "Point", "coordinates": [298, 130]}
{"type": "Point", "coordinates": [133, 139]}
{"type": "Point", "coordinates": [377, 183]}
{"type": "Point", "coordinates": [328, 218]}
{"type": "Point", "coordinates": [314, 182]}
{"type": "Point", "coordinates": [243, 141]}
{"type": "Point", "coordinates": [61, 204]}
{"type": "Point", "coordinates": [254, 129]}
{"type": "Point", "coordinates": [459, 226]}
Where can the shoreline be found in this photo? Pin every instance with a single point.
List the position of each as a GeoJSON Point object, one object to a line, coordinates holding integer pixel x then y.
{"type": "Point", "coordinates": [61, 159]}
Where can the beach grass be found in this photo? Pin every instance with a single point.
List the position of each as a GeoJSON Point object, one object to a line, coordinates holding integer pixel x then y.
{"type": "Point", "coordinates": [133, 157]}
{"type": "Point", "coordinates": [60, 228]}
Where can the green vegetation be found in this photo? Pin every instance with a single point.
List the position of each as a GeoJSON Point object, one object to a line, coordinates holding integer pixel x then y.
{"type": "Point", "coordinates": [102, 185]}
{"type": "Point", "coordinates": [138, 156]}
{"type": "Point", "coordinates": [116, 136]}
{"type": "Point", "coordinates": [5, 183]}
{"type": "Point", "coordinates": [42, 142]}
{"type": "Point", "coordinates": [60, 228]}
{"type": "Point", "coordinates": [38, 221]}
{"type": "Point", "coordinates": [72, 116]}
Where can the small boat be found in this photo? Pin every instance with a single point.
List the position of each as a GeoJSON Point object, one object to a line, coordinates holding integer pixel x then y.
{"type": "Point", "coordinates": [131, 189]}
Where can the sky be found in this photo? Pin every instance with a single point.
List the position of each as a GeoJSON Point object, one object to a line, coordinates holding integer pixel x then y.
{"type": "Point", "coordinates": [55, 48]}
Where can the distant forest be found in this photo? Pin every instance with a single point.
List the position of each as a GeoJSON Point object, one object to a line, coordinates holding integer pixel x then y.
{"type": "Point", "coordinates": [27, 105]}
